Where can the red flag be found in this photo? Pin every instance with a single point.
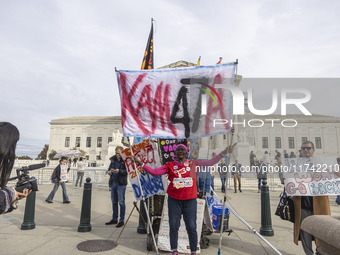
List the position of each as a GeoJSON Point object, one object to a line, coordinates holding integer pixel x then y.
{"type": "Point", "coordinates": [148, 55]}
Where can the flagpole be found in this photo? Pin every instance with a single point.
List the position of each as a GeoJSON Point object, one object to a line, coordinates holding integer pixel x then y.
{"type": "Point", "coordinates": [225, 190]}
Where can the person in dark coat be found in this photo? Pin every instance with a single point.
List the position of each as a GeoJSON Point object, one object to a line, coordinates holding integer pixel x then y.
{"type": "Point", "coordinates": [118, 181]}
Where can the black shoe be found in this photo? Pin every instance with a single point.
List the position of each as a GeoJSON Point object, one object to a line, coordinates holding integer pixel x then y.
{"type": "Point", "coordinates": [120, 224]}
{"type": "Point", "coordinates": [240, 190]}
{"type": "Point", "coordinates": [235, 191]}
{"type": "Point", "coordinates": [111, 222]}
{"type": "Point", "coordinates": [50, 202]}
{"type": "Point", "coordinates": [66, 202]}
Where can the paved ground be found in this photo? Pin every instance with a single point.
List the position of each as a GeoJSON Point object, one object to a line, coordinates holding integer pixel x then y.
{"type": "Point", "coordinates": [57, 223]}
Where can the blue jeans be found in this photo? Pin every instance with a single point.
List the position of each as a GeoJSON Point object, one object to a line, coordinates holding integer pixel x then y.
{"type": "Point", "coordinates": [80, 176]}
{"type": "Point", "coordinates": [189, 210]}
{"type": "Point", "coordinates": [260, 182]}
{"type": "Point", "coordinates": [212, 182]}
{"type": "Point", "coordinates": [337, 199]}
{"type": "Point", "coordinates": [55, 188]}
{"type": "Point", "coordinates": [118, 197]}
{"type": "Point", "coordinates": [223, 180]}
{"type": "Point", "coordinates": [204, 180]}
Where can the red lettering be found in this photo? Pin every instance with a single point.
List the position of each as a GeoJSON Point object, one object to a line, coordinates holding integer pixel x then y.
{"type": "Point", "coordinates": [212, 110]}
{"type": "Point", "coordinates": [153, 105]}
{"type": "Point", "coordinates": [317, 176]}
{"type": "Point", "coordinates": [299, 179]}
{"type": "Point", "coordinates": [290, 188]}
{"type": "Point", "coordinates": [302, 188]}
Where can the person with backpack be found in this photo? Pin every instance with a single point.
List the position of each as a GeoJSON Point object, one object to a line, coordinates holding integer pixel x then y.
{"type": "Point", "coordinates": [59, 177]}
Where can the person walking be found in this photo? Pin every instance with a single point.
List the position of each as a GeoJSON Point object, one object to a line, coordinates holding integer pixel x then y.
{"type": "Point", "coordinates": [223, 170]}
{"type": "Point", "coordinates": [292, 155]}
{"type": "Point", "coordinates": [236, 173]}
{"type": "Point", "coordinates": [252, 158]}
{"type": "Point", "coordinates": [75, 162]}
{"type": "Point", "coordinates": [266, 158]}
{"type": "Point", "coordinates": [261, 174]}
{"type": "Point", "coordinates": [285, 154]}
{"type": "Point", "coordinates": [80, 171]}
{"type": "Point", "coordinates": [118, 181]}
{"type": "Point", "coordinates": [212, 177]}
{"type": "Point", "coordinates": [59, 177]}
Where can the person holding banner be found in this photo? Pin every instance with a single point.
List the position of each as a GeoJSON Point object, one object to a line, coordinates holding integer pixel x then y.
{"type": "Point", "coordinates": [223, 170]}
{"type": "Point", "coordinates": [306, 206]}
{"type": "Point", "coordinates": [182, 191]}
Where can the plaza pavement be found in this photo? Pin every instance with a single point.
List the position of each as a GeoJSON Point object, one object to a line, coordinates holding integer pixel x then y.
{"type": "Point", "coordinates": [57, 223]}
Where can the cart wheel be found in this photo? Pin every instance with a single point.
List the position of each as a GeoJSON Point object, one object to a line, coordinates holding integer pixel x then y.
{"type": "Point", "coordinates": [149, 243]}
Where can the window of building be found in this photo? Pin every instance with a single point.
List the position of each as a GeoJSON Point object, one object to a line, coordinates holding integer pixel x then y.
{"type": "Point", "coordinates": [77, 141]}
{"type": "Point", "coordinates": [99, 142]}
{"type": "Point", "coordinates": [291, 143]}
{"type": "Point", "coordinates": [318, 144]}
{"type": "Point", "coordinates": [304, 139]}
{"type": "Point", "coordinates": [88, 141]}
{"type": "Point", "coordinates": [67, 141]}
{"type": "Point", "coordinates": [265, 142]}
{"type": "Point", "coordinates": [278, 142]}
{"type": "Point", "coordinates": [109, 139]}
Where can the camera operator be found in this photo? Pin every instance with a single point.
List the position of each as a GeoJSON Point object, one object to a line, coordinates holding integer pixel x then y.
{"type": "Point", "coordinates": [9, 136]}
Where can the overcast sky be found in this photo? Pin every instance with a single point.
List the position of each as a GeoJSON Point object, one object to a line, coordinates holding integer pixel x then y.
{"type": "Point", "coordinates": [58, 57]}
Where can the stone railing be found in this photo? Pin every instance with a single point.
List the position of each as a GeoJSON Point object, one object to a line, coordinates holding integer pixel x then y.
{"type": "Point", "coordinates": [326, 229]}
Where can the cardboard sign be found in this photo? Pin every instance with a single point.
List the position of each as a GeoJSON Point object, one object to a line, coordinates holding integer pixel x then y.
{"type": "Point", "coordinates": [147, 152]}
{"type": "Point", "coordinates": [167, 148]}
{"type": "Point", "coordinates": [63, 172]}
{"type": "Point", "coordinates": [319, 176]}
{"type": "Point", "coordinates": [183, 239]}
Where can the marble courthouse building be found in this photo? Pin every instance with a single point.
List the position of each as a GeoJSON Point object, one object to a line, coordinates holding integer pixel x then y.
{"type": "Point", "coordinates": [98, 136]}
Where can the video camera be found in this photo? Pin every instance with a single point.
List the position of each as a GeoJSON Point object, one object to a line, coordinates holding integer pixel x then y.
{"type": "Point", "coordinates": [24, 180]}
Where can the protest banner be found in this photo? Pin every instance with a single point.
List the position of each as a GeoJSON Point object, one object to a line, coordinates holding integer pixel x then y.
{"type": "Point", "coordinates": [63, 172]}
{"type": "Point", "coordinates": [317, 176]}
{"type": "Point", "coordinates": [176, 103]}
{"type": "Point", "coordinates": [147, 152]}
{"type": "Point", "coordinates": [183, 240]}
{"type": "Point", "coordinates": [167, 148]}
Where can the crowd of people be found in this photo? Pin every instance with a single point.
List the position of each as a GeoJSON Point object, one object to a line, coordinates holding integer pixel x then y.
{"type": "Point", "coordinates": [181, 199]}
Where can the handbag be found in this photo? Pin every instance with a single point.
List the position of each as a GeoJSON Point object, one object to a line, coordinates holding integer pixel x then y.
{"type": "Point", "coordinates": [285, 209]}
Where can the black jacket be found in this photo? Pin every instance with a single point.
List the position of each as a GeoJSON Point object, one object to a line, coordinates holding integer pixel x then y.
{"type": "Point", "coordinates": [122, 174]}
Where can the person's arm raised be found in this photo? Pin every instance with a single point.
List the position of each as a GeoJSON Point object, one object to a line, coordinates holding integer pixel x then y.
{"type": "Point", "coordinates": [154, 171]}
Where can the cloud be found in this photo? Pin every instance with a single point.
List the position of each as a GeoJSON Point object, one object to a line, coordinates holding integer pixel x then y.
{"type": "Point", "coordinates": [58, 57]}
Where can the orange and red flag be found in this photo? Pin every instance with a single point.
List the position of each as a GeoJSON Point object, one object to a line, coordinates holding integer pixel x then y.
{"type": "Point", "coordinates": [148, 55]}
